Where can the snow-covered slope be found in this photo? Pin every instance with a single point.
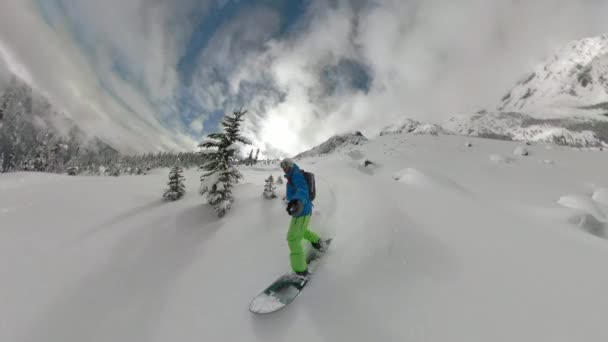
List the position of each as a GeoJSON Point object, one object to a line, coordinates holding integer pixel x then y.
{"type": "Point", "coordinates": [335, 143]}
{"type": "Point", "coordinates": [576, 132]}
{"type": "Point", "coordinates": [574, 81]}
{"type": "Point", "coordinates": [435, 241]}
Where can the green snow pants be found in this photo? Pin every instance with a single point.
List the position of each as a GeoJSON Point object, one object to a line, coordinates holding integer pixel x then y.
{"type": "Point", "coordinates": [298, 230]}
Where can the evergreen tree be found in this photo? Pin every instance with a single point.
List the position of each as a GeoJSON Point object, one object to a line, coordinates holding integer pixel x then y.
{"type": "Point", "coordinates": [27, 163]}
{"type": "Point", "coordinates": [256, 156]}
{"type": "Point", "coordinates": [38, 162]}
{"type": "Point", "coordinates": [5, 160]}
{"type": "Point", "coordinates": [249, 159]}
{"type": "Point", "coordinates": [220, 174]}
{"type": "Point", "coordinates": [5, 101]}
{"type": "Point", "coordinates": [10, 163]}
{"type": "Point", "coordinates": [176, 189]}
{"type": "Point", "coordinates": [115, 169]}
{"type": "Point", "coordinates": [73, 166]}
{"type": "Point", "coordinates": [72, 170]}
{"type": "Point", "coordinates": [56, 159]}
{"type": "Point", "coordinates": [270, 189]}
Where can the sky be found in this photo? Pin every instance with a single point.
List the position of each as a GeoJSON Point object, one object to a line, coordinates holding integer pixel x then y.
{"type": "Point", "coordinates": [149, 75]}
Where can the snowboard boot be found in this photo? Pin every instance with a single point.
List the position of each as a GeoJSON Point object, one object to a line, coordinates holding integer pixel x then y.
{"type": "Point", "coordinates": [320, 245]}
{"type": "Point", "coordinates": [298, 276]}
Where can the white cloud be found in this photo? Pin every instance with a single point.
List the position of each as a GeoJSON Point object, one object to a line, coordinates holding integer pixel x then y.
{"type": "Point", "coordinates": [426, 59]}
{"type": "Point", "coordinates": [10, 65]}
{"type": "Point", "coordinates": [197, 126]}
{"type": "Point", "coordinates": [79, 84]}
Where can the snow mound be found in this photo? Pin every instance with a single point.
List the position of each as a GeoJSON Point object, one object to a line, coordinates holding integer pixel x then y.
{"type": "Point", "coordinates": [601, 196]}
{"type": "Point", "coordinates": [425, 178]}
{"type": "Point", "coordinates": [590, 217]}
{"type": "Point", "coordinates": [367, 167]}
{"type": "Point", "coordinates": [498, 158]}
{"type": "Point", "coordinates": [585, 205]}
{"type": "Point", "coordinates": [521, 151]}
{"type": "Point", "coordinates": [335, 143]}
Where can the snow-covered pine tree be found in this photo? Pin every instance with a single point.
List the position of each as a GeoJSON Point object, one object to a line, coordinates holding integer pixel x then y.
{"type": "Point", "coordinates": [220, 174]}
{"type": "Point", "coordinates": [115, 169]}
{"type": "Point", "coordinates": [250, 158]}
{"type": "Point", "coordinates": [176, 189]}
{"type": "Point", "coordinates": [56, 158]}
{"type": "Point", "coordinates": [270, 189]}
{"type": "Point", "coordinates": [26, 163]}
{"type": "Point", "coordinates": [10, 162]}
{"type": "Point", "coordinates": [5, 161]}
{"type": "Point", "coordinates": [72, 170]}
{"type": "Point", "coordinates": [39, 162]}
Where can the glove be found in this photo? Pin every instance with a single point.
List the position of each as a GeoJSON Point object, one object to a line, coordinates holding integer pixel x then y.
{"type": "Point", "coordinates": [295, 208]}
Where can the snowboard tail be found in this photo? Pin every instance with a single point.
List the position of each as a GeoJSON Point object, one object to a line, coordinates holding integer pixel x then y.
{"type": "Point", "coordinates": [286, 288]}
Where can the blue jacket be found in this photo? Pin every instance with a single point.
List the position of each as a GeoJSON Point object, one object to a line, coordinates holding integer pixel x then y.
{"type": "Point", "coordinates": [297, 189]}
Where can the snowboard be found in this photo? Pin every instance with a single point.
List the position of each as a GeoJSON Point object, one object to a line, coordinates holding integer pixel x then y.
{"type": "Point", "coordinates": [286, 288]}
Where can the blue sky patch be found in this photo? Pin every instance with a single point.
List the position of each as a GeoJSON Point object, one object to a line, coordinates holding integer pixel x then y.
{"type": "Point", "coordinates": [185, 106]}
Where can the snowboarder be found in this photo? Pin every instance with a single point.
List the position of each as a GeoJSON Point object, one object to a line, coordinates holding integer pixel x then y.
{"type": "Point", "coordinates": [300, 208]}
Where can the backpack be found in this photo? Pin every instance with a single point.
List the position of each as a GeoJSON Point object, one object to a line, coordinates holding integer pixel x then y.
{"type": "Point", "coordinates": [309, 177]}
{"type": "Point", "coordinates": [310, 180]}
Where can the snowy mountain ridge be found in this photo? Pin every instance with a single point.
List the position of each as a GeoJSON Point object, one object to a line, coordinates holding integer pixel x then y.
{"type": "Point", "coordinates": [563, 101]}
{"type": "Point", "coordinates": [335, 143]}
{"type": "Point", "coordinates": [408, 125]}
{"type": "Point", "coordinates": [32, 132]}
{"type": "Point", "coordinates": [573, 82]}
{"type": "Point", "coordinates": [575, 132]}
